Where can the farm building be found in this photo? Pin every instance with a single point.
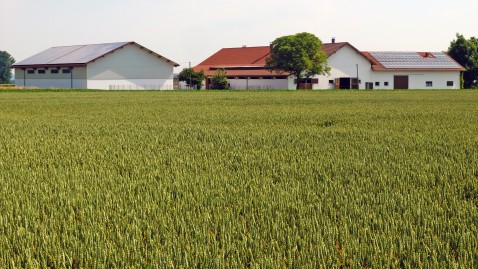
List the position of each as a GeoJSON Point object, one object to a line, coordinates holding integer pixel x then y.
{"type": "Point", "coordinates": [122, 65]}
{"type": "Point", "coordinates": [350, 69]}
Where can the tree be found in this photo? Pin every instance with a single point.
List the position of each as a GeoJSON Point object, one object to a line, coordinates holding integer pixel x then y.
{"type": "Point", "coordinates": [465, 52]}
{"type": "Point", "coordinates": [300, 55]}
{"type": "Point", "coordinates": [6, 61]}
{"type": "Point", "coordinates": [192, 78]}
{"type": "Point", "coordinates": [219, 80]}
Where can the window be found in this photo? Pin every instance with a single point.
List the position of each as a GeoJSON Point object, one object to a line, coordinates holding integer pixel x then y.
{"type": "Point", "coordinates": [429, 83]}
{"type": "Point", "coordinates": [385, 83]}
{"type": "Point", "coordinates": [31, 71]}
{"type": "Point", "coordinates": [41, 71]}
{"type": "Point", "coordinates": [54, 71]}
{"type": "Point", "coordinates": [331, 81]}
{"type": "Point", "coordinates": [377, 83]}
{"type": "Point", "coordinates": [66, 71]}
{"type": "Point", "coordinates": [449, 83]}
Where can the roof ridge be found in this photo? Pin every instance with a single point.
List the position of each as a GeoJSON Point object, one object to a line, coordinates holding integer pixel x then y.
{"type": "Point", "coordinates": [246, 47]}
{"type": "Point", "coordinates": [126, 42]}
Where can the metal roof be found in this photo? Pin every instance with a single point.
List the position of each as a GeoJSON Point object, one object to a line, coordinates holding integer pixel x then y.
{"type": "Point", "coordinates": [75, 55]}
{"type": "Point", "coordinates": [415, 60]}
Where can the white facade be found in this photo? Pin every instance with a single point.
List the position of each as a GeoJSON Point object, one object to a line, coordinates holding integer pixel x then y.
{"type": "Point", "coordinates": [348, 62]}
{"type": "Point", "coordinates": [130, 68]}
{"type": "Point", "coordinates": [258, 84]}
{"type": "Point", "coordinates": [56, 77]}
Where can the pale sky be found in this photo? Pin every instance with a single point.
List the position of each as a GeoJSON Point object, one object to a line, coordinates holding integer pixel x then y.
{"type": "Point", "coordinates": [192, 30]}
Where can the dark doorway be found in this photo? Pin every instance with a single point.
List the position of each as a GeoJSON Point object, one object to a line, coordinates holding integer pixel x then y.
{"type": "Point", "coordinates": [346, 83]}
{"type": "Point", "coordinates": [400, 82]}
{"type": "Point", "coordinates": [369, 85]}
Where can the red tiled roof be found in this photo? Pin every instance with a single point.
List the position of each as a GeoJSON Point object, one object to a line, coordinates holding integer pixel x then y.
{"type": "Point", "coordinates": [331, 48]}
{"type": "Point", "coordinates": [246, 56]}
{"type": "Point", "coordinates": [247, 61]}
{"type": "Point", "coordinates": [250, 61]}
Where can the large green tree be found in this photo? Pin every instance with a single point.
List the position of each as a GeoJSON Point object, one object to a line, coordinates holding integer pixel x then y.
{"type": "Point", "coordinates": [465, 52]}
{"type": "Point", "coordinates": [6, 61]}
{"type": "Point", "coordinates": [192, 78]}
{"type": "Point", "coordinates": [300, 55]}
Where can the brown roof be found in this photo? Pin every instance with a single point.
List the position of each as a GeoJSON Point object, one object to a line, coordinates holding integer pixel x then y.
{"type": "Point", "coordinates": [245, 61]}
{"type": "Point", "coordinates": [249, 61]}
{"type": "Point", "coordinates": [331, 48]}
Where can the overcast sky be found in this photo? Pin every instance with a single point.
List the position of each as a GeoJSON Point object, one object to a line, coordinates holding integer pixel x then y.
{"type": "Point", "coordinates": [191, 30]}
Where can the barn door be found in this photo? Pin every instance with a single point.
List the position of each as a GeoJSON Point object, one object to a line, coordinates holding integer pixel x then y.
{"type": "Point", "coordinates": [400, 82]}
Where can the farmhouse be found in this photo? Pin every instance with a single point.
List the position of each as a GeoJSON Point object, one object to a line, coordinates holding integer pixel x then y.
{"type": "Point", "coordinates": [350, 69]}
{"type": "Point", "coordinates": [122, 65]}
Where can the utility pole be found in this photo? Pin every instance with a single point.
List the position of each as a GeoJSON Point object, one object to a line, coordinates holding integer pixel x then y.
{"type": "Point", "coordinates": [358, 81]}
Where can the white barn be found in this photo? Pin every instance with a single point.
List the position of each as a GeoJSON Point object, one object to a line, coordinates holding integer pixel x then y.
{"type": "Point", "coordinates": [108, 66]}
{"type": "Point", "coordinates": [350, 69]}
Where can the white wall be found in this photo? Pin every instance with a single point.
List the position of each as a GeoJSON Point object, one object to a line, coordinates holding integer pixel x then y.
{"type": "Point", "coordinates": [49, 80]}
{"type": "Point", "coordinates": [344, 63]}
{"type": "Point", "coordinates": [417, 79]}
{"type": "Point", "coordinates": [52, 83]}
{"type": "Point", "coordinates": [258, 84]}
{"type": "Point", "coordinates": [130, 66]}
{"type": "Point", "coordinates": [131, 84]}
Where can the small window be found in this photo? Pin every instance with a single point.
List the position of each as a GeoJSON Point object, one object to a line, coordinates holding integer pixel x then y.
{"type": "Point", "coordinates": [385, 83]}
{"type": "Point", "coordinates": [41, 71]}
{"type": "Point", "coordinates": [54, 71]}
{"type": "Point", "coordinates": [449, 83]}
{"type": "Point", "coordinates": [66, 71]}
{"type": "Point", "coordinates": [377, 83]}
{"type": "Point", "coordinates": [331, 81]}
{"type": "Point", "coordinates": [31, 71]}
{"type": "Point", "coordinates": [429, 83]}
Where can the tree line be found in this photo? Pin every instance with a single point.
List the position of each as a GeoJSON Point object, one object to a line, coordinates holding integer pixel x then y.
{"type": "Point", "coordinates": [6, 61]}
{"type": "Point", "coordinates": [465, 52]}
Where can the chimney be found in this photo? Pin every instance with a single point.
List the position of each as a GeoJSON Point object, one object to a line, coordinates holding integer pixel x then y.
{"type": "Point", "coordinates": [270, 47]}
{"type": "Point", "coordinates": [333, 40]}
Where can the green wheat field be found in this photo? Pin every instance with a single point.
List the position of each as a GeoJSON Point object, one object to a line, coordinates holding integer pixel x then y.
{"type": "Point", "coordinates": [198, 179]}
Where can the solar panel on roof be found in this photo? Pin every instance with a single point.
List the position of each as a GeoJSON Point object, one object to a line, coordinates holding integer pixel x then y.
{"type": "Point", "coordinates": [48, 55]}
{"type": "Point", "coordinates": [87, 53]}
{"type": "Point", "coordinates": [413, 60]}
{"type": "Point", "coordinates": [71, 54]}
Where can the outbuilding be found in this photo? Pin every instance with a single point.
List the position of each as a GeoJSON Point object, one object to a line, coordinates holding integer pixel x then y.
{"type": "Point", "coordinates": [108, 66]}
{"type": "Point", "coordinates": [350, 69]}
